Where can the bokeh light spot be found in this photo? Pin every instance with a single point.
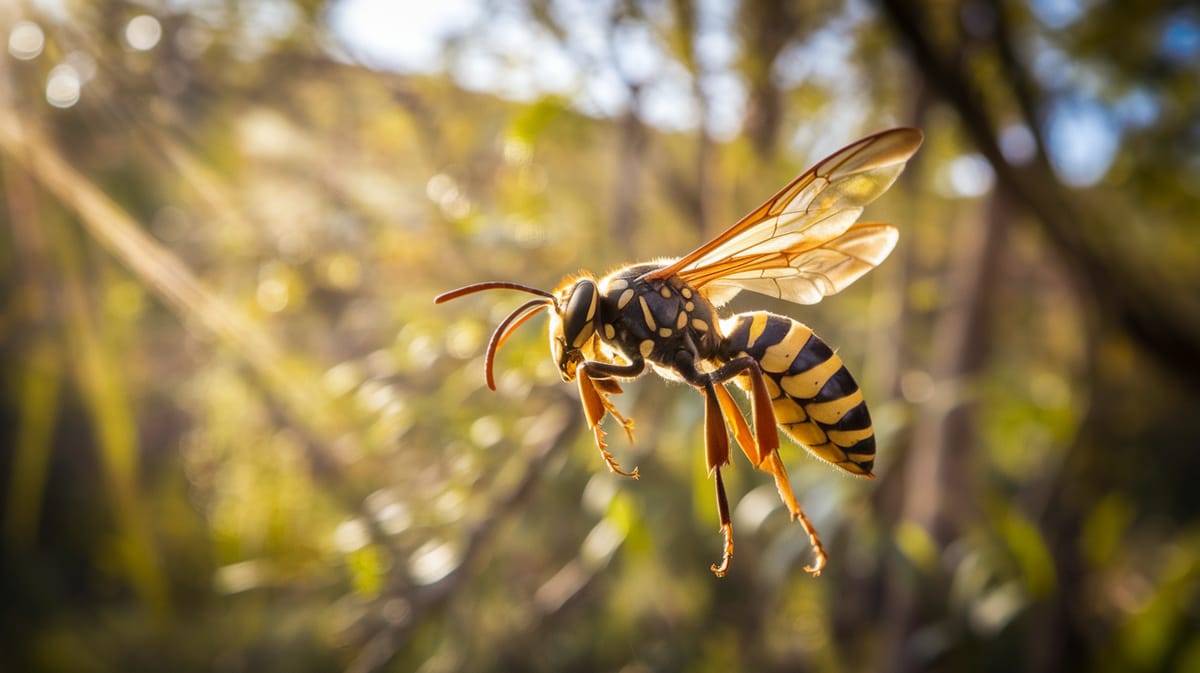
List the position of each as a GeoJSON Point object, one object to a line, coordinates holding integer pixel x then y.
{"type": "Point", "coordinates": [272, 295]}
{"type": "Point", "coordinates": [1018, 144]}
{"type": "Point", "coordinates": [1082, 139]}
{"type": "Point", "coordinates": [432, 562]}
{"type": "Point", "coordinates": [351, 535]}
{"type": "Point", "coordinates": [601, 543]}
{"type": "Point", "coordinates": [342, 378]}
{"type": "Point", "coordinates": [916, 386]}
{"type": "Point", "coordinates": [1181, 37]}
{"type": "Point", "coordinates": [63, 86]}
{"type": "Point", "coordinates": [463, 339]}
{"type": "Point", "coordinates": [517, 152]}
{"type": "Point", "coordinates": [970, 175]}
{"type": "Point", "coordinates": [444, 191]}
{"type": "Point", "coordinates": [342, 271]}
{"type": "Point", "coordinates": [394, 518]}
{"type": "Point", "coordinates": [143, 32]}
{"type": "Point", "coordinates": [1057, 14]}
{"type": "Point", "coordinates": [486, 431]}
{"type": "Point", "coordinates": [26, 40]}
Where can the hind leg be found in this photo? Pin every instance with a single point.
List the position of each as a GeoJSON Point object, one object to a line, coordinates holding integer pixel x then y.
{"type": "Point", "coordinates": [774, 466]}
{"type": "Point", "coordinates": [763, 447]}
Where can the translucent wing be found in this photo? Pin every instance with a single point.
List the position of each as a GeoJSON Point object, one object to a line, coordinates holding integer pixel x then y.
{"type": "Point", "coordinates": [803, 276]}
{"type": "Point", "coordinates": [802, 245]}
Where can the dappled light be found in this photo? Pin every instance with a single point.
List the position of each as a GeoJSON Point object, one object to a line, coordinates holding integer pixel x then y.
{"type": "Point", "coordinates": [26, 40]}
{"type": "Point", "coordinates": [239, 435]}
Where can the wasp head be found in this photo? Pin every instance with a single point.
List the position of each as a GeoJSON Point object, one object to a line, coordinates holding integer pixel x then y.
{"type": "Point", "coordinates": [573, 323]}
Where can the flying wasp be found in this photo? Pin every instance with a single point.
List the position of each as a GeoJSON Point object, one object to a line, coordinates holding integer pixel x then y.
{"type": "Point", "coordinates": [803, 244]}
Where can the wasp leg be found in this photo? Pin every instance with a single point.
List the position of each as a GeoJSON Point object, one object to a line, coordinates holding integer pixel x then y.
{"type": "Point", "coordinates": [766, 434]}
{"type": "Point", "coordinates": [774, 466]}
{"type": "Point", "coordinates": [608, 387]}
{"type": "Point", "coordinates": [726, 529]}
{"type": "Point", "coordinates": [741, 431]}
{"type": "Point", "coordinates": [716, 446]}
{"type": "Point", "coordinates": [716, 454]}
{"type": "Point", "coordinates": [595, 405]}
{"type": "Point", "coordinates": [763, 449]}
{"type": "Point", "coordinates": [595, 384]}
{"type": "Point", "coordinates": [769, 461]}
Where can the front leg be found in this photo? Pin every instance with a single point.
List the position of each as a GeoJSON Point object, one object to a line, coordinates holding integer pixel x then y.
{"type": "Point", "coordinates": [595, 383]}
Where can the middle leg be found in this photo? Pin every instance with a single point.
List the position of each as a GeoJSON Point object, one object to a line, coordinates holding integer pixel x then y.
{"type": "Point", "coordinates": [716, 454]}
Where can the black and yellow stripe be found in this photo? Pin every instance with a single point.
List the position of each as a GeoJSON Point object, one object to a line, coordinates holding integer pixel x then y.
{"type": "Point", "coordinates": [816, 400]}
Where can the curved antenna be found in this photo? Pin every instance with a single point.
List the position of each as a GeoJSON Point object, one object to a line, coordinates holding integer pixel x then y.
{"type": "Point", "coordinates": [489, 285]}
{"type": "Point", "coordinates": [506, 327]}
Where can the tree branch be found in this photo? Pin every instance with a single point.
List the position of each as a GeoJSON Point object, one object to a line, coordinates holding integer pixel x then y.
{"type": "Point", "coordinates": [1117, 288]}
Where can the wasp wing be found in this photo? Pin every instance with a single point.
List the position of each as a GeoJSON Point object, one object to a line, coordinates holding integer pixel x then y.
{"type": "Point", "coordinates": [791, 247]}
{"type": "Point", "coordinates": [803, 276]}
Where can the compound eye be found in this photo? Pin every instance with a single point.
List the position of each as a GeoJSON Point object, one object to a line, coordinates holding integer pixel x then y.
{"type": "Point", "coordinates": [579, 316]}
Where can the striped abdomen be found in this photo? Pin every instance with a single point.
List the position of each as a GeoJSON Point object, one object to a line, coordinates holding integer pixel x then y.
{"type": "Point", "coordinates": [815, 399]}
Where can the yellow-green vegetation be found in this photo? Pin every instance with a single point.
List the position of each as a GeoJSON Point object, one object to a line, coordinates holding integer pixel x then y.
{"type": "Point", "coordinates": [236, 434]}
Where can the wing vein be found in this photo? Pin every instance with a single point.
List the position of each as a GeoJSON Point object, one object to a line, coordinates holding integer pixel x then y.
{"type": "Point", "coordinates": [806, 234]}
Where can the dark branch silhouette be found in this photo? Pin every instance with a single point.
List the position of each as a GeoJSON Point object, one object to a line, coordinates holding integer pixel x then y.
{"type": "Point", "coordinates": [1118, 291]}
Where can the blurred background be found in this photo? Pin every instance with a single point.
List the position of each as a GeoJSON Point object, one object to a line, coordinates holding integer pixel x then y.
{"type": "Point", "coordinates": [237, 435]}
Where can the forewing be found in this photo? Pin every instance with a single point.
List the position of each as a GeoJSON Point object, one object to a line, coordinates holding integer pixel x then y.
{"type": "Point", "coordinates": [767, 247]}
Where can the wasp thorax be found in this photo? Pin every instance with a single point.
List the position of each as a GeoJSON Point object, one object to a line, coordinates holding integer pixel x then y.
{"type": "Point", "coordinates": [573, 323]}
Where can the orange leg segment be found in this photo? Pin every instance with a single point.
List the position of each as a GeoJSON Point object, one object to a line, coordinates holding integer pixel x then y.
{"type": "Point", "coordinates": [593, 394]}
{"type": "Point", "coordinates": [726, 529]}
{"type": "Point", "coordinates": [775, 466]}
{"type": "Point", "coordinates": [716, 454]}
{"type": "Point", "coordinates": [763, 450]}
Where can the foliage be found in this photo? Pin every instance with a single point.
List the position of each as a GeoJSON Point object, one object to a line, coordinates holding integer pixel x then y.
{"type": "Point", "coordinates": [236, 433]}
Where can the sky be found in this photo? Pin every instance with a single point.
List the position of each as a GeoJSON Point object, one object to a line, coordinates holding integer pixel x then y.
{"type": "Point", "coordinates": [510, 55]}
{"type": "Point", "coordinates": [500, 50]}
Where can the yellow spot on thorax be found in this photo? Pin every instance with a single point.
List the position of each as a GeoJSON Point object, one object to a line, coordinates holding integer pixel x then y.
{"type": "Point", "coordinates": [647, 314]}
